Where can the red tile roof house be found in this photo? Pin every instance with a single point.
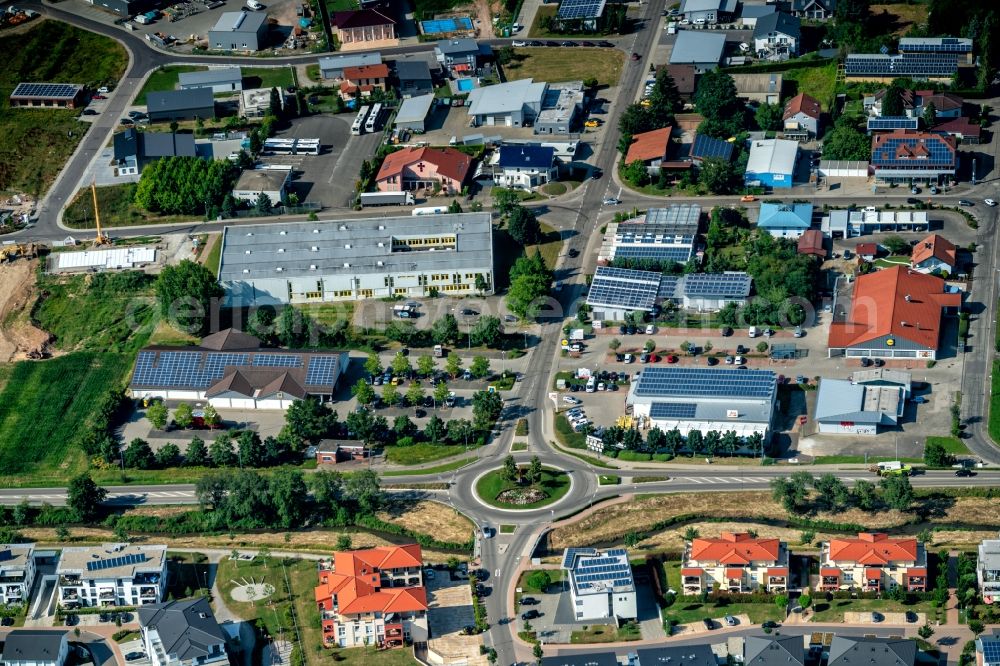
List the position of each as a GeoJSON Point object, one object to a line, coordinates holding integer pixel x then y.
{"type": "Point", "coordinates": [357, 28]}
{"type": "Point", "coordinates": [934, 254]}
{"type": "Point", "coordinates": [811, 242]}
{"type": "Point", "coordinates": [735, 563]}
{"type": "Point", "coordinates": [801, 117]}
{"type": "Point", "coordinates": [963, 129]}
{"type": "Point", "coordinates": [373, 597]}
{"type": "Point", "coordinates": [650, 148]}
{"type": "Point", "coordinates": [893, 313]}
{"type": "Point", "coordinates": [866, 251]}
{"type": "Point", "coordinates": [873, 562]}
{"type": "Point", "coordinates": [417, 168]}
{"type": "Point", "coordinates": [363, 80]}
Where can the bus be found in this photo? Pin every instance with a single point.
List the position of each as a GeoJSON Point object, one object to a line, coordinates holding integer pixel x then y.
{"type": "Point", "coordinates": [371, 124]}
{"type": "Point", "coordinates": [307, 146]}
{"type": "Point", "coordinates": [358, 127]}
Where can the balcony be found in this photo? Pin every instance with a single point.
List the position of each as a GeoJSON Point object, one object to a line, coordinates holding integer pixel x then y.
{"type": "Point", "coordinates": [873, 584]}
{"type": "Point", "coordinates": [830, 582]}
{"type": "Point", "coordinates": [777, 583]}
{"type": "Point", "coordinates": [148, 593]}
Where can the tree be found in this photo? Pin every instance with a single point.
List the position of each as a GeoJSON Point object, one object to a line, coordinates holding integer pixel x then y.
{"type": "Point", "coordinates": [415, 393]}
{"type": "Point", "coordinates": [504, 200]}
{"type": "Point", "coordinates": [487, 332]}
{"type": "Point", "coordinates": [441, 393]}
{"type": "Point", "coordinates": [892, 100]}
{"type": "Point", "coordinates": [718, 175]}
{"type": "Point", "coordinates": [21, 512]}
{"type": "Point", "coordinates": [435, 429]}
{"type": "Point", "coordinates": [373, 364]}
{"type": "Point", "coordinates": [897, 492]}
{"type": "Point", "coordinates": [210, 416]}
{"type": "Point", "coordinates": [263, 205]}
{"type": "Point", "coordinates": [401, 365]}
{"type": "Point", "coordinates": [930, 116]}
{"type": "Point", "coordinates": [307, 421]}
{"type": "Point", "coordinates": [364, 490]}
{"type": "Point", "coordinates": [425, 366]}
{"type": "Point", "coordinates": [453, 364]}
{"type": "Point", "coordinates": [530, 281]}
{"type": "Point", "coordinates": [538, 652]}
{"type": "Point", "coordinates": [791, 492]}
{"type": "Point", "coordinates": [185, 292]}
{"type": "Point", "coordinates": [221, 452]}
{"type": "Point", "coordinates": [539, 580]}
{"type": "Point", "coordinates": [805, 601]}
{"type": "Point", "coordinates": [762, 347]}
{"type": "Point", "coordinates": [833, 494]}
{"type": "Point", "coordinates": [84, 497]}
{"type": "Point", "coordinates": [636, 173]}
{"type": "Point", "coordinates": [649, 346]}
{"type": "Point", "coordinates": [290, 495]}
{"type": "Point", "coordinates": [138, 455]}
{"type": "Point", "coordinates": [935, 454]}
{"type": "Point", "coordinates": [690, 533]}
{"type": "Point", "coordinates": [196, 453]}
{"type": "Point", "coordinates": [535, 469]}
{"type": "Point", "coordinates": [523, 226]}
{"type": "Point", "coordinates": [509, 471]}
{"type": "Point", "coordinates": [614, 344]}
{"type": "Point", "coordinates": [459, 430]}
{"type": "Point", "coordinates": [157, 415]}
{"type": "Point", "coordinates": [864, 495]}
{"type": "Point", "coordinates": [169, 455]}
{"type": "Point", "coordinates": [390, 394]}
{"type": "Point", "coordinates": [403, 426]}
{"type": "Point", "coordinates": [274, 106]}
{"type": "Point", "coordinates": [925, 631]}
{"type": "Point", "coordinates": [343, 542]}
{"type": "Point", "coordinates": [846, 142]}
{"type": "Point", "coordinates": [486, 408]}
{"type": "Point", "coordinates": [480, 367]}
{"type": "Point", "coordinates": [183, 415]}
{"type": "Point", "coordinates": [976, 627]}
{"type": "Point", "coordinates": [781, 601]}
{"type": "Point", "coordinates": [769, 117]}
{"type": "Point", "coordinates": [665, 100]}
{"type": "Point", "coordinates": [363, 392]}
{"type": "Point", "coordinates": [716, 100]}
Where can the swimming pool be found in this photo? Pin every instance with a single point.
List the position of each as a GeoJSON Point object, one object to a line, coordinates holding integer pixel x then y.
{"type": "Point", "coordinates": [436, 26]}
{"type": "Point", "coordinates": [465, 85]}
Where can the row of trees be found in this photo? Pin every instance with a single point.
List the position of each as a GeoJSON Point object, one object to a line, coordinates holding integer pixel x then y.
{"type": "Point", "coordinates": [712, 443]}
{"type": "Point", "coordinates": [244, 449]}
{"type": "Point", "coordinates": [426, 367]}
{"type": "Point", "coordinates": [185, 185]}
{"type": "Point", "coordinates": [801, 493]}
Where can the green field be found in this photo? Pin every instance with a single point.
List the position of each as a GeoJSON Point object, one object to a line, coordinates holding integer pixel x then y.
{"type": "Point", "coordinates": [37, 143]}
{"type": "Point", "coordinates": [994, 422]}
{"type": "Point", "coordinates": [419, 454]}
{"type": "Point", "coordinates": [437, 469]}
{"type": "Point", "coordinates": [164, 78]}
{"type": "Point", "coordinates": [268, 77]}
{"type": "Point", "coordinates": [819, 82]}
{"type": "Point", "coordinates": [554, 65]}
{"type": "Point", "coordinates": [554, 484]}
{"type": "Point", "coordinates": [833, 611]}
{"type": "Point", "coordinates": [117, 209]}
{"type": "Point", "coordinates": [42, 409]}
{"type": "Point", "coordinates": [952, 445]}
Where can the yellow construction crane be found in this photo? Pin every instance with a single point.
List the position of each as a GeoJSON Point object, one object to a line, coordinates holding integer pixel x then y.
{"type": "Point", "coordinates": [101, 239]}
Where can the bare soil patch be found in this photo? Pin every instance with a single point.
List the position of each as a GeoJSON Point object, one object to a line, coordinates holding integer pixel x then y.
{"type": "Point", "coordinates": [18, 336]}
{"type": "Point", "coordinates": [425, 517]}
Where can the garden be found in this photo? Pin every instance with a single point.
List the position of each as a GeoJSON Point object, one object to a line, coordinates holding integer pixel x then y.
{"type": "Point", "coordinates": [523, 487]}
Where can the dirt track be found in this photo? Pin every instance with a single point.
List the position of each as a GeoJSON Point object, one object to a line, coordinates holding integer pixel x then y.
{"type": "Point", "coordinates": [17, 292]}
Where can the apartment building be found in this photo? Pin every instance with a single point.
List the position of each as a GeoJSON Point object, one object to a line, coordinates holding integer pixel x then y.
{"type": "Point", "coordinates": [17, 572]}
{"type": "Point", "coordinates": [873, 562]}
{"type": "Point", "coordinates": [988, 570]}
{"type": "Point", "coordinates": [735, 562]}
{"type": "Point", "coordinates": [373, 597]}
{"type": "Point", "coordinates": [114, 574]}
{"type": "Point", "coordinates": [182, 632]}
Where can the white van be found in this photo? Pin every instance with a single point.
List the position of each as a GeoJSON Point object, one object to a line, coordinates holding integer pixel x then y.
{"type": "Point", "coordinates": [591, 385]}
{"type": "Point", "coordinates": [754, 332]}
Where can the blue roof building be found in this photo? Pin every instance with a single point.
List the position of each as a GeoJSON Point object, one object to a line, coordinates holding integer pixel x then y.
{"type": "Point", "coordinates": [771, 163]}
{"type": "Point", "coordinates": [785, 220]}
{"type": "Point", "coordinates": [526, 166]}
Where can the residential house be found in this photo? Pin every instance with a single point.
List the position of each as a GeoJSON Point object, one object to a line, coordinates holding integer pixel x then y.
{"type": "Point", "coordinates": [893, 313]}
{"type": "Point", "coordinates": [424, 168]}
{"type": "Point", "coordinates": [934, 254]}
{"type": "Point", "coordinates": [511, 104]}
{"type": "Point", "coordinates": [762, 88]}
{"type": "Point", "coordinates": [239, 31]}
{"type": "Point", "coordinates": [698, 654]}
{"type": "Point", "coordinates": [459, 57]}
{"type": "Point", "coordinates": [802, 117]}
{"type": "Point", "coordinates": [363, 28]}
{"type": "Point", "coordinates": [116, 574]}
{"type": "Point", "coordinates": [988, 649]}
{"type": "Point", "coordinates": [414, 78]}
{"type": "Point", "coordinates": [988, 570]}
{"type": "Point", "coordinates": [812, 242]}
{"type": "Point", "coordinates": [771, 163]}
{"type": "Point", "coordinates": [855, 650]}
{"type": "Point", "coordinates": [783, 220]}
{"type": "Point", "coordinates": [684, 76]}
{"type": "Point", "coordinates": [866, 251]}
{"type": "Point", "coordinates": [373, 597]}
{"type": "Point", "coordinates": [363, 80]}
{"type": "Point", "coordinates": [526, 167]}
{"type": "Point", "coordinates": [819, 10]}
{"type": "Point", "coordinates": [846, 408]}
{"type": "Point", "coordinates": [182, 632]}
{"type": "Point", "coordinates": [736, 563]}
{"type": "Point", "coordinates": [600, 584]}
{"type": "Point", "coordinates": [962, 129]}
{"type": "Point", "coordinates": [701, 49]}
{"type": "Point", "coordinates": [776, 36]}
{"type": "Point", "coordinates": [220, 80]}
{"type": "Point", "coordinates": [872, 562]}
{"type": "Point", "coordinates": [332, 67]}
{"type": "Point", "coordinates": [35, 647]}
{"type": "Point", "coordinates": [650, 148]}
{"type": "Point", "coordinates": [133, 149]}
{"type": "Point", "coordinates": [181, 104]}
{"type": "Point", "coordinates": [915, 102]}
{"type": "Point", "coordinates": [708, 11]}
{"type": "Point", "coordinates": [17, 573]}
{"type": "Point", "coordinates": [750, 14]}
{"type": "Point", "coordinates": [773, 651]}
{"type": "Point", "coordinates": [271, 182]}
{"type": "Point", "coordinates": [905, 156]}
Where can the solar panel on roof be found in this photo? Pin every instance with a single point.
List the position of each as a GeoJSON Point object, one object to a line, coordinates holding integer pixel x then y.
{"type": "Point", "coordinates": [917, 64]}
{"type": "Point", "coordinates": [321, 370]}
{"type": "Point", "coordinates": [277, 361]}
{"type": "Point", "coordinates": [623, 287]}
{"type": "Point", "coordinates": [888, 152]}
{"type": "Point", "coordinates": [706, 147]}
{"type": "Point", "coordinates": [62, 90]}
{"type": "Point", "coordinates": [717, 284]}
{"type": "Point", "coordinates": [657, 252]}
{"type": "Point", "coordinates": [113, 562]}
{"type": "Point", "coordinates": [580, 9]}
{"type": "Point", "coordinates": [892, 122]}
{"type": "Point", "coordinates": [705, 382]}
{"type": "Point", "coordinates": [991, 650]}
{"type": "Point", "coordinates": [672, 410]}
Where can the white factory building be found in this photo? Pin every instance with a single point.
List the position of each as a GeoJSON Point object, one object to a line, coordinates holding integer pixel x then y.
{"type": "Point", "coordinates": [317, 262]}
{"type": "Point", "coordinates": [600, 584]}
{"type": "Point", "coordinates": [704, 399]}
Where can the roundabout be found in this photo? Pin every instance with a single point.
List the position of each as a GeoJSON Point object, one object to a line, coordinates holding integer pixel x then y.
{"type": "Point", "coordinates": [519, 492]}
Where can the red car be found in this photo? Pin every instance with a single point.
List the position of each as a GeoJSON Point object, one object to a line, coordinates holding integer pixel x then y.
{"type": "Point", "coordinates": [635, 56]}
{"type": "Point", "coordinates": [98, 97]}
{"type": "Point", "coordinates": [671, 359]}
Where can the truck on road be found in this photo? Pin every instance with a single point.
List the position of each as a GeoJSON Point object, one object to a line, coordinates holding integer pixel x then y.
{"type": "Point", "coordinates": [387, 199]}
{"type": "Point", "coordinates": [892, 468]}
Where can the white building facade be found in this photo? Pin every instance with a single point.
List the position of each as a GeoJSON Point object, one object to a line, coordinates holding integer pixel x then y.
{"type": "Point", "coordinates": [601, 584]}
{"type": "Point", "coordinates": [17, 572]}
{"type": "Point", "coordinates": [112, 575]}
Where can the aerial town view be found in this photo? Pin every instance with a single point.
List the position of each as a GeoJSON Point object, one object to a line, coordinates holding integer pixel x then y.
{"type": "Point", "coordinates": [499, 333]}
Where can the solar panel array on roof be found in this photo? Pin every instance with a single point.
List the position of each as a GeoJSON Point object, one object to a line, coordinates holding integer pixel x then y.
{"type": "Point", "coordinates": [888, 154]}
{"type": "Point", "coordinates": [731, 285]}
{"type": "Point", "coordinates": [939, 45]}
{"type": "Point", "coordinates": [682, 218]}
{"type": "Point", "coordinates": [991, 650]}
{"type": "Point", "coordinates": [202, 369]}
{"type": "Point", "coordinates": [601, 569]}
{"type": "Point", "coordinates": [277, 361]}
{"type": "Point", "coordinates": [706, 382]}
{"type": "Point", "coordinates": [320, 370]}
{"type": "Point", "coordinates": [654, 233]}
{"type": "Point", "coordinates": [660, 253]}
{"type": "Point", "coordinates": [892, 123]}
{"type": "Point", "coordinates": [706, 147]}
{"type": "Point", "coordinates": [904, 64]}
{"type": "Point", "coordinates": [113, 562]}
{"type": "Point", "coordinates": [50, 90]}
{"type": "Point", "coordinates": [580, 9]}
{"type": "Point", "coordinates": [569, 556]}
{"type": "Point", "coordinates": [672, 410]}
{"type": "Point", "coordinates": [622, 287]}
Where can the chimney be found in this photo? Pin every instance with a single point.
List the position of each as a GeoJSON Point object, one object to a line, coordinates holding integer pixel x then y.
{"type": "Point", "coordinates": [907, 297]}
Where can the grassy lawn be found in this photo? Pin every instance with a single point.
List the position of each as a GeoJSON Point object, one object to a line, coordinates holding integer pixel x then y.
{"type": "Point", "coordinates": [508, 529]}
{"type": "Point", "coordinates": [686, 613]}
{"type": "Point", "coordinates": [165, 78]}
{"type": "Point", "coordinates": [952, 445]}
{"type": "Point", "coordinates": [268, 77]}
{"type": "Point", "coordinates": [994, 422]}
{"type": "Point", "coordinates": [819, 82]}
{"type": "Point", "coordinates": [314, 74]}
{"type": "Point", "coordinates": [608, 480]}
{"type": "Point", "coordinates": [419, 454]}
{"type": "Point", "coordinates": [42, 408]}
{"type": "Point", "coordinates": [550, 246]}
{"type": "Point", "coordinates": [117, 209]}
{"type": "Point", "coordinates": [555, 576]}
{"type": "Point", "coordinates": [568, 436]}
{"type": "Point", "coordinates": [554, 65]}
{"type": "Point", "coordinates": [606, 633]}
{"type": "Point", "coordinates": [833, 611]}
{"type": "Point", "coordinates": [214, 256]}
{"type": "Point", "coordinates": [341, 5]}
{"type": "Point", "coordinates": [447, 467]}
{"type": "Point", "coordinates": [37, 142]}
{"type": "Point", "coordinates": [554, 189]}
{"type": "Point", "coordinates": [188, 573]}
{"type": "Point", "coordinates": [889, 262]}
{"type": "Point", "coordinates": [519, 446]}
{"type": "Point", "coordinates": [554, 484]}
{"type": "Point", "coordinates": [365, 656]}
